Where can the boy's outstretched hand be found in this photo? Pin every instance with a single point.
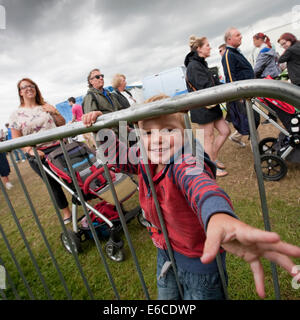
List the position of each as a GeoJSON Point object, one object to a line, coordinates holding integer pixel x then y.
{"type": "Point", "coordinates": [249, 243]}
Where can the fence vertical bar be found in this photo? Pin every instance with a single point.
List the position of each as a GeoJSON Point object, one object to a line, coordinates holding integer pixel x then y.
{"type": "Point", "coordinates": [158, 209]}
{"type": "Point", "coordinates": [10, 280]}
{"type": "Point", "coordinates": [40, 227]}
{"type": "Point", "coordinates": [74, 253]}
{"type": "Point", "coordinates": [261, 187]}
{"type": "Point", "coordinates": [33, 259]}
{"type": "Point", "coordinates": [80, 195]}
{"type": "Point", "coordinates": [123, 221]}
{"type": "Point", "coordinates": [30, 293]}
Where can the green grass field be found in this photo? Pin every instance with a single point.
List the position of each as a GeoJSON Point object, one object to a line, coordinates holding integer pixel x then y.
{"type": "Point", "coordinates": [283, 202]}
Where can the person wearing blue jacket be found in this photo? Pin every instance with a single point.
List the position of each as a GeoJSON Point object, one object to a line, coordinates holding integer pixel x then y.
{"type": "Point", "coordinates": [236, 67]}
{"type": "Point", "coordinates": [266, 63]}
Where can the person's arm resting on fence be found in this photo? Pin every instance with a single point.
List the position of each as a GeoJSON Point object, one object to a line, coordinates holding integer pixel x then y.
{"type": "Point", "coordinates": [114, 151]}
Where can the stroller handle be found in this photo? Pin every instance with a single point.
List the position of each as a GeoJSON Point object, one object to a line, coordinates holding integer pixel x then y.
{"type": "Point", "coordinates": [95, 174]}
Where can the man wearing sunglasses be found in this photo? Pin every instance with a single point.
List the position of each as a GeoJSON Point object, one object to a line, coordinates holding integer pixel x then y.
{"type": "Point", "coordinates": [97, 98]}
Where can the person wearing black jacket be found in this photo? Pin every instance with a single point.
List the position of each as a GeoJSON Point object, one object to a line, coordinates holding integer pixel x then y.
{"type": "Point", "coordinates": [198, 76]}
{"type": "Point", "coordinates": [236, 67]}
{"type": "Point", "coordinates": [291, 56]}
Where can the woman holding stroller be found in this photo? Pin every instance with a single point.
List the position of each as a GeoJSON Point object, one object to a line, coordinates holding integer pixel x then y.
{"type": "Point", "coordinates": [198, 76]}
{"type": "Point", "coordinates": [291, 56]}
{"type": "Point", "coordinates": [35, 115]}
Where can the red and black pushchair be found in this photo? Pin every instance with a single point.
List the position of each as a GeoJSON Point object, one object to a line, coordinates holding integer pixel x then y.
{"type": "Point", "coordinates": [286, 147]}
{"type": "Point", "coordinates": [91, 179]}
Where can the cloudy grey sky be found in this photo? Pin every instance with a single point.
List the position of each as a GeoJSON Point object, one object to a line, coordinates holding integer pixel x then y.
{"type": "Point", "coordinates": [57, 42]}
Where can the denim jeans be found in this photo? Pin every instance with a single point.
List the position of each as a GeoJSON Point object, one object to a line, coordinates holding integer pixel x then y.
{"type": "Point", "coordinates": [195, 286]}
{"type": "Point", "coordinates": [17, 152]}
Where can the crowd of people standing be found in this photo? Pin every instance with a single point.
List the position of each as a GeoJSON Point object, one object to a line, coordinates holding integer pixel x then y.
{"type": "Point", "coordinates": [236, 67]}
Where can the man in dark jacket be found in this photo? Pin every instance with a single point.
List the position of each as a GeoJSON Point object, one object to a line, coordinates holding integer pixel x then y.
{"type": "Point", "coordinates": [236, 67]}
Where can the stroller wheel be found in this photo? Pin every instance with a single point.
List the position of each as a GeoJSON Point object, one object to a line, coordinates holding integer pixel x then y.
{"type": "Point", "coordinates": [266, 145]}
{"type": "Point", "coordinates": [75, 242]}
{"type": "Point", "coordinates": [273, 167]}
{"type": "Point", "coordinates": [141, 219]}
{"type": "Point", "coordinates": [114, 252]}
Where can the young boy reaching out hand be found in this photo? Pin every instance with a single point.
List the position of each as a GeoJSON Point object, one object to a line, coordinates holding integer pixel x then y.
{"type": "Point", "coordinates": [197, 213]}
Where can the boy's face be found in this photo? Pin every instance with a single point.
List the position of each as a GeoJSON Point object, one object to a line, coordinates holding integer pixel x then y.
{"type": "Point", "coordinates": [162, 137]}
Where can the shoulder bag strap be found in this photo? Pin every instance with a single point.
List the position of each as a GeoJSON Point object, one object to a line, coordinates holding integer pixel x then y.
{"type": "Point", "coordinates": [191, 86]}
{"type": "Point", "coordinates": [227, 64]}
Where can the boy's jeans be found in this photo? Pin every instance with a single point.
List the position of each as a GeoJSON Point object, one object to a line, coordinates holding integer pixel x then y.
{"type": "Point", "coordinates": [195, 286]}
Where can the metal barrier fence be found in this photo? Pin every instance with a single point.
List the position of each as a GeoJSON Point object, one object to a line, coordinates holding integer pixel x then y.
{"type": "Point", "coordinates": [228, 92]}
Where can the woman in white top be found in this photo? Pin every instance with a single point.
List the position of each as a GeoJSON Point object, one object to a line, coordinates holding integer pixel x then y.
{"type": "Point", "coordinates": [35, 115]}
{"type": "Point", "coordinates": [124, 97]}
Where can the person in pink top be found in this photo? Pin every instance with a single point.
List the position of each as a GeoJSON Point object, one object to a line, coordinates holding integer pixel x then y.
{"type": "Point", "coordinates": [76, 110]}
{"type": "Point", "coordinates": [77, 113]}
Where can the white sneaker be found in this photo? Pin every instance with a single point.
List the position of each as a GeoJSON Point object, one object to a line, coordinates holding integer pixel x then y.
{"type": "Point", "coordinates": [23, 160]}
{"type": "Point", "coordinates": [8, 185]}
{"type": "Point", "coordinates": [239, 142]}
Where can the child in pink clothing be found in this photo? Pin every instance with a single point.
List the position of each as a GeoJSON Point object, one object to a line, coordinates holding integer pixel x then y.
{"type": "Point", "coordinates": [76, 110]}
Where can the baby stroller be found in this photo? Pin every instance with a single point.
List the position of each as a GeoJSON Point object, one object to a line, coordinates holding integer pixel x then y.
{"type": "Point", "coordinates": [91, 180]}
{"type": "Point", "coordinates": [286, 147]}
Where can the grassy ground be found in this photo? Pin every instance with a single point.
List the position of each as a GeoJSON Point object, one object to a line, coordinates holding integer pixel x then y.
{"type": "Point", "coordinates": [283, 202]}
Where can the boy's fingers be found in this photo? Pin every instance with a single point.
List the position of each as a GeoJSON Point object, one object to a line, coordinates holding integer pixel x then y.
{"type": "Point", "coordinates": [254, 235]}
{"type": "Point", "coordinates": [280, 259]}
{"type": "Point", "coordinates": [211, 246]}
{"type": "Point", "coordinates": [258, 275]}
{"type": "Point", "coordinates": [282, 247]}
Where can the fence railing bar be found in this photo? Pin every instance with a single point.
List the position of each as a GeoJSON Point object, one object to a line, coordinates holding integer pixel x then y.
{"type": "Point", "coordinates": [74, 253]}
{"type": "Point", "coordinates": [261, 186]}
{"type": "Point", "coordinates": [29, 291]}
{"type": "Point", "coordinates": [91, 226]}
{"type": "Point", "coordinates": [23, 236]}
{"type": "Point", "coordinates": [158, 209]}
{"type": "Point", "coordinates": [226, 92]}
{"type": "Point", "coordinates": [123, 221]}
{"type": "Point", "coordinates": [10, 281]}
{"type": "Point", "coordinates": [37, 220]}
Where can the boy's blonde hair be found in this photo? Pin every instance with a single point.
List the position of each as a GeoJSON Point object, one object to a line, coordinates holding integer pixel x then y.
{"type": "Point", "coordinates": [178, 115]}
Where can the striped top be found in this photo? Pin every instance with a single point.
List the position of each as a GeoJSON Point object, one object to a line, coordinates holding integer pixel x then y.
{"type": "Point", "coordinates": [187, 193]}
